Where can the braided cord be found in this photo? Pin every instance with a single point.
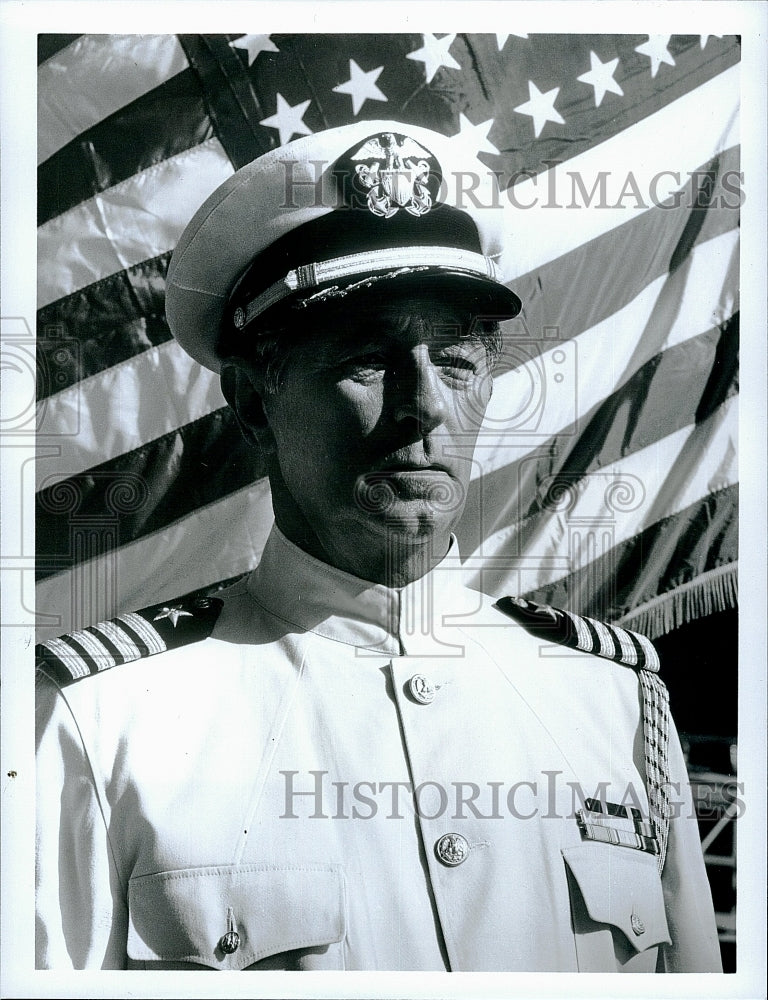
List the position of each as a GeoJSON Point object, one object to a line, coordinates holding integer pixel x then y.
{"type": "Point", "coordinates": [656, 743]}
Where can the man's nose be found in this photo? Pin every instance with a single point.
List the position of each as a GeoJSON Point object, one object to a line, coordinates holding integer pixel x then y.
{"type": "Point", "coordinates": [421, 394]}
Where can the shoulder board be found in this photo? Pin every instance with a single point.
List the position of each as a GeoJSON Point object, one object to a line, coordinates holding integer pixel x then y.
{"type": "Point", "coordinates": [130, 636]}
{"type": "Point", "coordinates": [578, 632]}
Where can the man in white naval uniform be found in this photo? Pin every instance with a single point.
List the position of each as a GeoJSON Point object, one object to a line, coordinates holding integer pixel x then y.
{"type": "Point", "coordinates": [348, 760]}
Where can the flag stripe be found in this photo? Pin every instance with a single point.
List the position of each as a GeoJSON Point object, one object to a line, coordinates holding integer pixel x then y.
{"type": "Point", "coordinates": [140, 218]}
{"type": "Point", "coordinates": [125, 143]}
{"type": "Point", "coordinates": [607, 265]}
{"type": "Point", "coordinates": [161, 392]}
{"type": "Point", "coordinates": [162, 484]}
{"type": "Point", "coordinates": [152, 569]}
{"type": "Point", "coordinates": [102, 325]}
{"type": "Point", "coordinates": [704, 535]}
{"type": "Point", "coordinates": [703, 372]}
{"type": "Point", "coordinates": [232, 103]}
{"type": "Point", "coordinates": [76, 88]}
{"type": "Point", "coordinates": [668, 381]}
{"type": "Point", "coordinates": [104, 312]}
{"type": "Point", "coordinates": [562, 386]}
{"type": "Point", "coordinates": [64, 363]}
{"type": "Point", "coordinates": [620, 500]}
{"type": "Point", "coordinates": [49, 45]}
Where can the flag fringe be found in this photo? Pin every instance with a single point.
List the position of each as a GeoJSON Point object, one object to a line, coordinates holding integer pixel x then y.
{"type": "Point", "coordinates": [716, 590]}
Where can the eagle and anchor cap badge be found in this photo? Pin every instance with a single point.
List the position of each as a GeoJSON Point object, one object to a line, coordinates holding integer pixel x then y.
{"type": "Point", "coordinates": [344, 211]}
{"type": "Point", "coordinates": [396, 175]}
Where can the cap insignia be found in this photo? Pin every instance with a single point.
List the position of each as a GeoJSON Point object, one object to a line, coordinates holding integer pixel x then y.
{"type": "Point", "coordinates": [398, 173]}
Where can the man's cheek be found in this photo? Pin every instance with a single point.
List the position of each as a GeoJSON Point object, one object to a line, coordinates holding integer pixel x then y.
{"type": "Point", "coordinates": [360, 404]}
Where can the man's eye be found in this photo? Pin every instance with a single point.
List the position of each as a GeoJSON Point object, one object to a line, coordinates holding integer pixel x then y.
{"type": "Point", "coordinates": [457, 362]}
{"type": "Point", "coordinates": [458, 365]}
{"type": "Point", "coordinates": [363, 364]}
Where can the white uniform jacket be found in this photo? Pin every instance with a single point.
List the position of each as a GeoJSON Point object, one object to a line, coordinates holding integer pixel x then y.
{"type": "Point", "coordinates": [344, 776]}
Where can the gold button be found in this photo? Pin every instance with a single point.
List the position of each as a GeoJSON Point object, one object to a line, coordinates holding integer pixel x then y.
{"type": "Point", "coordinates": [637, 924]}
{"type": "Point", "coordinates": [422, 689]}
{"type": "Point", "coordinates": [452, 849]}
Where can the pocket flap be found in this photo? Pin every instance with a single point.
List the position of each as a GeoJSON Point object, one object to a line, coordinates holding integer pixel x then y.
{"type": "Point", "coordinates": [182, 916]}
{"type": "Point", "coordinates": [621, 887]}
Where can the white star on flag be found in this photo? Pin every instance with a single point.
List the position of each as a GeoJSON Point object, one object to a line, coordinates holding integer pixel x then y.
{"type": "Point", "coordinates": [474, 136]}
{"type": "Point", "coordinates": [706, 38]}
{"type": "Point", "coordinates": [173, 613]}
{"type": "Point", "coordinates": [541, 107]}
{"type": "Point", "coordinates": [288, 119]}
{"type": "Point", "coordinates": [656, 50]}
{"type": "Point", "coordinates": [361, 86]}
{"type": "Point", "coordinates": [600, 77]}
{"type": "Point", "coordinates": [434, 54]}
{"type": "Point", "coordinates": [501, 39]}
{"type": "Point", "coordinates": [254, 44]}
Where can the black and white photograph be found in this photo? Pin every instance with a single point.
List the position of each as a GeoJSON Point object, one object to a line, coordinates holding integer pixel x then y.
{"type": "Point", "coordinates": [378, 479]}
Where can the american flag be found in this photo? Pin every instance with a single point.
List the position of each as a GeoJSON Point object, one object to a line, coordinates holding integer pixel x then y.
{"type": "Point", "coordinates": [605, 479]}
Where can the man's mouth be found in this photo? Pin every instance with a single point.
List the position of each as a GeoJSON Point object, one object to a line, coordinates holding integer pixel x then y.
{"type": "Point", "coordinates": [423, 481]}
{"type": "Point", "coordinates": [416, 464]}
{"type": "Point", "coordinates": [397, 480]}
{"type": "Point", "coordinates": [404, 467]}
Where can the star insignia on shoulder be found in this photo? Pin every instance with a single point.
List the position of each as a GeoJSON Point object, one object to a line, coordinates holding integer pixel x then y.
{"type": "Point", "coordinates": [541, 610]}
{"type": "Point", "coordinates": [173, 613]}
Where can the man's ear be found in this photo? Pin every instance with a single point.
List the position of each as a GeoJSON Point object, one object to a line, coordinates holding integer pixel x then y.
{"type": "Point", "coordinates": [242, 390]}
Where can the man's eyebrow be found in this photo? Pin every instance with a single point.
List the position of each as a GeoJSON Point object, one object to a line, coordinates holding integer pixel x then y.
{"type": "Point", "coordinates": [385, 324]}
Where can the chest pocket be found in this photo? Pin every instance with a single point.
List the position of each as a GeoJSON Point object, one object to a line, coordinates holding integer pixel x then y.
{"type": "Point", "coordinates": [281, 918]}
{"type": "Point", "coordinates": [617, 908]}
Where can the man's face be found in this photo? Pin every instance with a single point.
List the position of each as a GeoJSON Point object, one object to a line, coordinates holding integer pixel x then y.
{"type": "Point", "coordinates": [374, 425]}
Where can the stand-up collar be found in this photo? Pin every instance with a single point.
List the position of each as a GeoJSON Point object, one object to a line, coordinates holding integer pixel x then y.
{"type": "Point", "coordinates": [305, 592]}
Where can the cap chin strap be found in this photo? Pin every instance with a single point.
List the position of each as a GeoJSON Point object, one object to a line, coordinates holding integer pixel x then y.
{"type": "Point", "coordinates": [395, 259]}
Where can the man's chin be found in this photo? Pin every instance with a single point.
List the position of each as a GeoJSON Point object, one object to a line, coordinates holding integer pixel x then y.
{"type": "Point", "coordinates": [411, 522]}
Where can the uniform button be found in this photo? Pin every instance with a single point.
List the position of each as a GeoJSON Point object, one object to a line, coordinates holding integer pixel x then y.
{"type": "Point", "coordinates": [230, 942]}
{"type": "Point", "coordinates": [637, 924]}
{"type": "Point", "coordinates": [452, 849]}
{"type": "Point", "coordinates": [422, 689]}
